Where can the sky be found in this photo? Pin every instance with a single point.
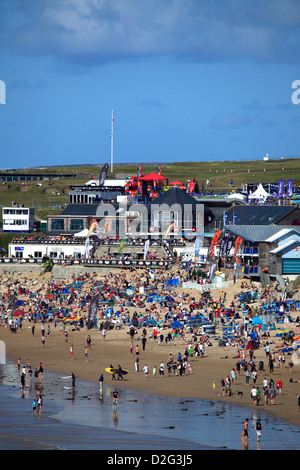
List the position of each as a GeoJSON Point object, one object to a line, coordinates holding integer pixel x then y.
{"type": "Point", "coordinates": [187, 80]}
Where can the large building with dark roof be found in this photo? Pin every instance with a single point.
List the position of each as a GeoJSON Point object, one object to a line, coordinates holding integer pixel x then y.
{"type": "Point", "coordinates": [262, 215]}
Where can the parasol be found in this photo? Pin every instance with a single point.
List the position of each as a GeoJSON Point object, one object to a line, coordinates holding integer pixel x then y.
{"type": "Point", "coordinates": [18, 313]}
{"type": "Point", "coordinates": [296, 357]}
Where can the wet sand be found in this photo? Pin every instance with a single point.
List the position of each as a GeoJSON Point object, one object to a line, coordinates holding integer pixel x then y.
{"type": "Point", "coordinates": [215, 365]}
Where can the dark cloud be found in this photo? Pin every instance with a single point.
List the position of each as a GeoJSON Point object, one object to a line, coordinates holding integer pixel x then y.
{"type": "Point", "coordinates": [95, 31]}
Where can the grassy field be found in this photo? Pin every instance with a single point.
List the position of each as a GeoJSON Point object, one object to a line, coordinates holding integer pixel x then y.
{"type": "Point", "coordinates": [51, 196]}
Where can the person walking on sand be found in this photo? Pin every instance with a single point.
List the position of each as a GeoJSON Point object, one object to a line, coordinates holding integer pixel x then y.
{"type": "Point", "coordinates": [71, 351]}
{"type": "Point", "coordinates": [146, 370]}
{"type": "Point", "coordinates": [86, 354]}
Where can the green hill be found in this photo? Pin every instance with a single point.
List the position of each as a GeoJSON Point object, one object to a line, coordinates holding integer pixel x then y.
{"type": "Point", "coordinates": [51, 196]}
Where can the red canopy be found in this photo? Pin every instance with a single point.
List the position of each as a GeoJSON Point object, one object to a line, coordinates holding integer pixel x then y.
{"type": "Point", "coordinates": [176, 183]}
{"type": "Point", "coordinates": [153, 177]}
{"type": "Point", "coordinates": [18, 313]}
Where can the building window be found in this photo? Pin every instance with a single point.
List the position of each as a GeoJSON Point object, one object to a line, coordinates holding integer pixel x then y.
{"type": "Point", "coordinates": [76, 224]}
{"type": "Point", "coordinates": [57, 224]}
{"type": "Point", "coordinates": [37, 254]}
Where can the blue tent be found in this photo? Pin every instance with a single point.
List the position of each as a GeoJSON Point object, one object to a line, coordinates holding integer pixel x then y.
{"type": "Point", "coordinates": [151, 322]}
{"type": "Point", "coordinates": [177, 324]}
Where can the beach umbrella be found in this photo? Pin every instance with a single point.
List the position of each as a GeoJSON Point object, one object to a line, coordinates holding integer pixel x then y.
{"type": "Point", "coordinates": [296, 357]}
{"type": "Point", "coordinates": [177, 324]}
{"type": "Point", "coordinates": [296, 344]}
{"type": "Point", "coordinates": [19, 302]}
{"type": "Point", "coordinates": [257, 321]}
{"type": "Point", "coordinates": [18, 313]}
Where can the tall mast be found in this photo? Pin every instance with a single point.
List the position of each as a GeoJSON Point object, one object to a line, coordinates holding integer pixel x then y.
{"type": "Point", "coordinates": [112, 143]}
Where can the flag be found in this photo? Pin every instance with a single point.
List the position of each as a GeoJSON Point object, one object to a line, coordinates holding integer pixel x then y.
{"type": "Point", "coordinates": [159, 170]}
{"type": "Point", "coordinates": [146, 248]}
{"type": "Point", "coordinates": [93, 311]}
{"type": "Point", "coordinates": [92, 228]}
{"type": "Point", "coordinates": [172, 225]}
{"type": "Point", "coordinates": [238, 243]}
{"type": "Point", "coordinates": [103, 174]}
{"type": "Point", "coordinates": [197, 246]}
{"type": "Point", "coordinates": [214, 242]}
{"type": "Point", "coordinates": [87, 247]}
{"type": "Point", "coordinates": [212, 271]}
{"type": "Point", "coordinates": [188, 265]}
{"type": "Point", "coordinates": [289, 188]}
{"type": "Point", "coordinates": [139, 171]}
{"type": "Point", "coordinates": [280, 188]}
{"type": "Point", "coordinates": [121, 246]}
{"type": "Point", "coordinates": [229, 245]}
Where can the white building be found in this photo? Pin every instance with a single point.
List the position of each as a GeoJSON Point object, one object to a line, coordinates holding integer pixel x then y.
{"type": "Point", "coordinates": [56, 249]}
{"type": "Point", "coordinates": [18, 219]}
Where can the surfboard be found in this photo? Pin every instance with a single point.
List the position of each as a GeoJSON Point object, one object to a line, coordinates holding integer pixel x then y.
{"type": "Point", "coordinates": [67, 377]}
{"type": "Point", "coordinates": [116, 370]}
{"type": "Point", "coordinates": [68, 388]}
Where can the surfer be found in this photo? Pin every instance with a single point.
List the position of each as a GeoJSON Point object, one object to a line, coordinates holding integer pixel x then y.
{"type": "Point", "coordinates": [73, 379]}
{"type": "Point", "coordinates": [120, 373]}
{"type": "Point", "coordinates": [113, 372]}
{"type": "Point", "coordinates": [115, 396]}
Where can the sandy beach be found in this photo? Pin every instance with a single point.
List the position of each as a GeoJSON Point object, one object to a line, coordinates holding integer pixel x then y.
{"type": "Point", "coordinates": [216, 363]}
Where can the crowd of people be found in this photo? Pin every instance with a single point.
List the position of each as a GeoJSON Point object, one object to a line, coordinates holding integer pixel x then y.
{"type": "Point", "coordinates": [123, 304]}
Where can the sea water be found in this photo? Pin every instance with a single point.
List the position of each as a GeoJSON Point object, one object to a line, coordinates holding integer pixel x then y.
{"type": "Point", "coordinates": [83, 419]}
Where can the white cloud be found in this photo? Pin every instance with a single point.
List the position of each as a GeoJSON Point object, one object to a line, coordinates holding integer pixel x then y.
{"type": "Point", "coordinates": [98, 30]}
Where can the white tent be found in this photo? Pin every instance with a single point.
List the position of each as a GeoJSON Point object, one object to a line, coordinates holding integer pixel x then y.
{"type": "Point", "coordinates": [238, 196]}
{"type": "Point", "coordinates": [83, 233]}
{"type": "Point", "coordinates": [260, 193]}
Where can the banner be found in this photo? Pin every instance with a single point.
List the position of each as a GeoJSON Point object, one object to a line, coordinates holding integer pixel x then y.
{"type": "Point", "coordinates": [238, 243]}
{"type": "Point", "coordinates": [92, 228]}
{"type": "Point", "coordinates": [230, 242]}
{"type": "Point", "coordinates": [223, 246]}
{"type": "Point", "coordinates": [212, 271]}
{"type": "Point", "coordinates": [87, 247]}
{"type": "Point", "coordinates": [188, 265]}
{"type": "Point", "coordinates": [96, 244]}
{"type": "Point", "coordinates": [214, 242]}
{"type": "Point", "coordinates": [121, 246]}
{"type": "Point", "coordinates": [280, 188]}
{"type": "Point", "coordinates": [103, 174]}
{"type": "Point", "coordinates": [93, 311]}
{"type": "Point", "coordinates": [197, 247]}
{"type": "Point", "coordinates": [289, 188]}
{"type": "Point", "coordinates": [146, 249]}
{"type": "Point", "coordinates": [139, 171]}
{"type": "Point", "coordinates": [159, 170]}
{"type": "Point", "coordinates": [172, 225]}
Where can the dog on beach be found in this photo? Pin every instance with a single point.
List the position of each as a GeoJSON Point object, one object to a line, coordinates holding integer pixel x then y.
{"type": "Point", "coordinates": [240, 393]}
